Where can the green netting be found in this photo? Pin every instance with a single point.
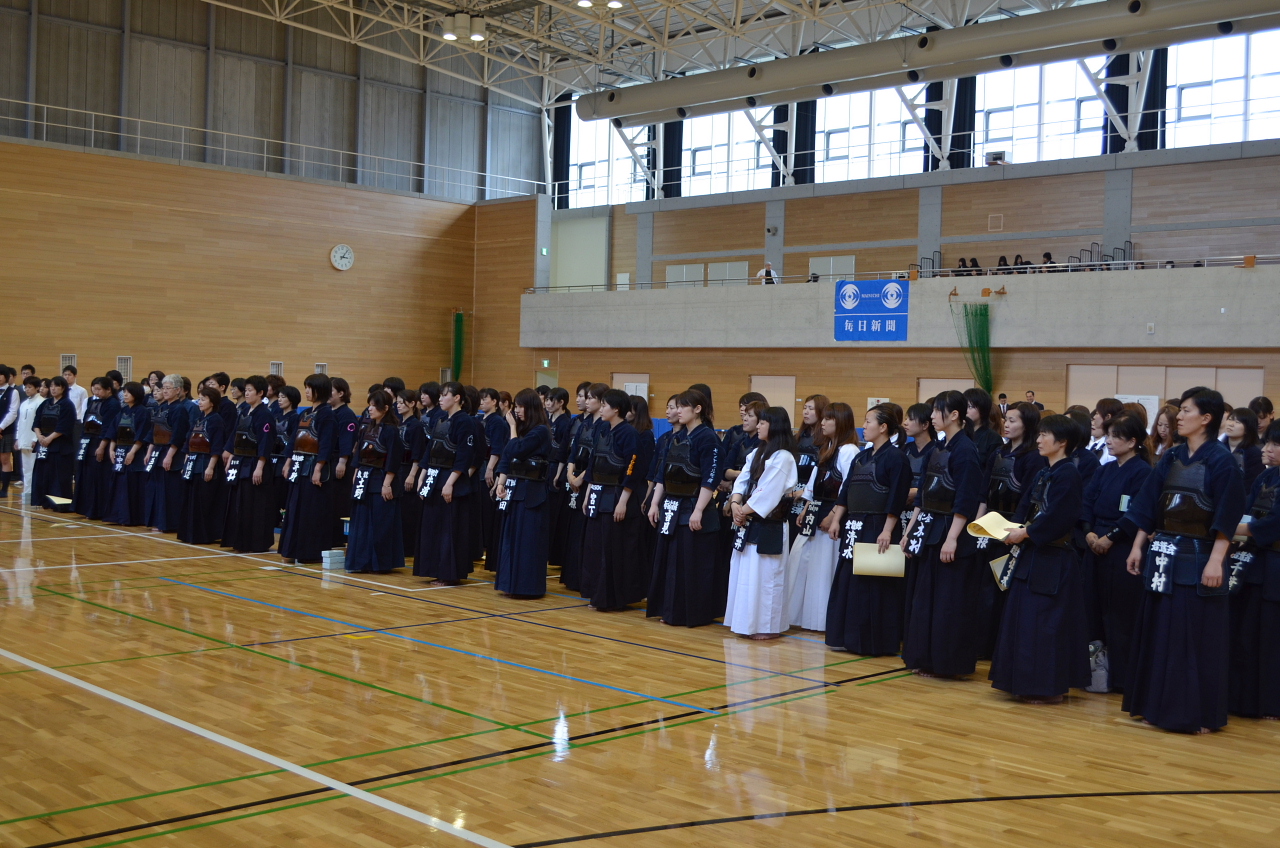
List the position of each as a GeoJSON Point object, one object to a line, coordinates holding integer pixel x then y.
{"type": "Point", "coordinates": [459, 333]}
{"type": "Point", "coordinates": [973, 328]}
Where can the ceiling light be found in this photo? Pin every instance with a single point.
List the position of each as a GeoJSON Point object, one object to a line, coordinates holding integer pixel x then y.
{"type": "Point", "coordinates": [448, 31]}
{"type": "Point", "coordinates": [477, 29]}
{"type": "Point", "coordinates": [462, 24]}
{"type": "Point", "coordinates": [586, 4]}
{"type": "Point", "coordinates": [614, 4]}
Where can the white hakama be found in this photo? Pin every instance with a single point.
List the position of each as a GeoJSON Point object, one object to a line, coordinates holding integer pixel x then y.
{"type": "Point", "coordinates": [811, 566]}
{"type": "Point", "coordinates": [757, 582]}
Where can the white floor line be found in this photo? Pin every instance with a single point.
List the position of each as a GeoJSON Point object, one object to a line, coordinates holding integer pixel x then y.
{"type": "Point", "coordinates": [301, 771]}
{"type": "Point", "coordinates": [344, 576]}
{"type": "Point", "coordinates": [124, 562]}
{"type": "Point", "coordinates": [60, 538]}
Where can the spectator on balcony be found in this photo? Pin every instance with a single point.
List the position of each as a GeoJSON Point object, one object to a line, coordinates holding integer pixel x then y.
{"type": "Point", "coordinates": [766, 276]}
{"type": "Point", "coordinates": [1002, 266]}
{"type": "Point", "coordinates": [975, 270]}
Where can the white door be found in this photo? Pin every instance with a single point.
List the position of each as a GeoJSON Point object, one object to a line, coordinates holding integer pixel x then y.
{"type": "Point", "coordinates": [778, 391]}
{"type": "Point", "coordinates": [927, 387]}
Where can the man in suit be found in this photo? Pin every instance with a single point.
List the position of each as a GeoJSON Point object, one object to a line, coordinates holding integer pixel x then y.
{"type": "Point", "coordinates": [1031, 399]}
{"type": "Point", "coordinates": [1004, 405]}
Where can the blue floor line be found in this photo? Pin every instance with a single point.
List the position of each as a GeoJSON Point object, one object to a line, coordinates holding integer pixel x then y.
{"type": "Point", "coordinates": [446, 647]}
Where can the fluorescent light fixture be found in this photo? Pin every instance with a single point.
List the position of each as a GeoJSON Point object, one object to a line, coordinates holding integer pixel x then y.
{"type": "Point", "coordinates": [448, 30]}
{"type": "Point", "coordinates": [477, 29]}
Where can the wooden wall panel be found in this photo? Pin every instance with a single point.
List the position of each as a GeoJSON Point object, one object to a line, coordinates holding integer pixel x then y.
{"type": "Point", "coordinates": [1206, 191]}
{"type": "Point", "coordinates": [505, 258]}
{"type": "Point", "coordinates": [197, 269]}
{"type": "Point", "coordinates": [989, 252]}
{"type": "Point", "coordinates": [737, 227]}
{"type": "Point", "coordinates": [1197, 244]}
{"type": "Point", "coordinates": [622, 250]}
{"type": "Point", "coordinates": [870, 259]}
{"type": "Point", "coordinates": [1041, 203]}
{"type": "Point", "coordinates": [871, 216]}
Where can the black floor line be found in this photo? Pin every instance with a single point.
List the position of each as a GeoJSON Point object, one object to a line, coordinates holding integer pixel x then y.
{"type": "Point", "coordinates": [856, 808]}
{"type": "Point", "coordinates": [409, 772]}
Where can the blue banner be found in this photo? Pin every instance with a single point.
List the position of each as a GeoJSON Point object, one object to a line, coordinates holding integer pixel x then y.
{"type": "Point", "coordinates": [872, 310]}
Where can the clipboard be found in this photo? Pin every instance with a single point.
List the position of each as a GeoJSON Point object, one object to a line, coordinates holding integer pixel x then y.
{"type": "Point", "coordinates": [57, 501]}
{"type": "Point", "coordinates": [997, 568]}
{"type": "Point", "coordinates": [869, 562]}
{"type": "Point", "coordinates": [993, 525]}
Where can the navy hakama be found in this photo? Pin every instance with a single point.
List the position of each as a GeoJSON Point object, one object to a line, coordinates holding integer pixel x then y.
{"type": "Point", "coordinates": [1254, 678]}
{"type": "Point", "coordinates": [445, 536]}
{"type": "Point", "coordinates": [521, 563]}
{"type": "Point", "coordinates": [307, 528]}
{"type": "Point", "coordinates": [375, 543]}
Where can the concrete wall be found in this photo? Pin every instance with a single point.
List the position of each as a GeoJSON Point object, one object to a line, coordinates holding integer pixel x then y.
{"type": "Point", "coordinates": [1190, 308]}
{"type": "Point", "coordinates": [579, 252]}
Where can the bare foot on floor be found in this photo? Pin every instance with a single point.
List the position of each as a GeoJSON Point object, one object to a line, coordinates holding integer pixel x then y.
{"type": "Point", "coordinates": [763, 637]}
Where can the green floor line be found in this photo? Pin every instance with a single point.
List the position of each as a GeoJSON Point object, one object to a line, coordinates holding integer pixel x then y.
{"type": "Point", "coordinates": [886, 679]}
{"type": "Point", "coordinates": [275, 658]}
{"type": "Point", "coordinates": [448, 774]}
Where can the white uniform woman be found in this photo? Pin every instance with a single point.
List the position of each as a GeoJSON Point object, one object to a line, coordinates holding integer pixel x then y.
{"type": "Point", "coordinates": [757, 604]}
{"type": "Point", "coordinates": [812, 563]}
{"type": "Point", "coordinates": [25, 439]}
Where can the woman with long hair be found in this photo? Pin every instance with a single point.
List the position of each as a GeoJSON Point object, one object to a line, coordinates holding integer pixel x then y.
{"type": "Point", "coordinates": [251, 509]}
{"type": "Point", "coordinates": [444, 539]}
{"type": "Point", "coordinates": [522, 487]}
{"type": "Point", "coordinates": [346, 422]}
{"type": "Point", "coordinates": [640, 419]}
{"type": "Point", "coordinates": [1164, 433]}
{"type": "Point", "coordinates": [375, 544]}
{"type": "Point", "coordinates": [93, 466]}
{"type": "Point", "coordinates": [683, 589]}
{"type": "Point", "coordinates": [56, 450]}
{"type": "Point", "coordinates": [1042, 651]}
{"type": "Point", "coordinates": [1189, 508]}
{"type": "Point", "coordinates": [735, 457]}
{"type": "Point", "coordinates": [614, 573]}
{"type": "Point", "coordinates": [493, 419]}
{"type": "Point", "coordinates": [126, 439]}
{"type": "Point", "coordinates": [864, 615]}
{"type": "Point", "coordinates": [581, 449]}
{"type": "Point", "coordinates": [1241, 429]}
{"type": "Point", "coordinates": [985, 437]}
{"type": "Point", "coordinates": [1109, 535]}
{"type": "Point", "coordinates": [561, 424]}
{"type": "Point", "coordinates": [939, 639]}
{"type": "Point", "coordinates": [1012, 468]}
{"type": "Point", "coordinates": [307, 530]}
{"type": "Point", "coordinates": [756, 605]}
{"type": "Point", "coordinates": [202, 516]}
{"type": "Point", "coordinates": [811, 564]}
{"type": "Point", "coordinates": [808, 439]}
{"type": "Point", "coordinates": [412, 444]}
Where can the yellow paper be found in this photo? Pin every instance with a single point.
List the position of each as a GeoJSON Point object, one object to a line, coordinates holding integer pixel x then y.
{"type": "Point", "coordinates": [993, 525]}
{"type": "Point", "coordinates": [997, 568]}
{"type": "Point", "coordinates": [869, 562]}
{"type": "Point", "coordinates": [59, 501]}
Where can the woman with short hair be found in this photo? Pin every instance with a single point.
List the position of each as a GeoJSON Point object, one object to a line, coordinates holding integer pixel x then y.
{"type": "Point", "coordinates": [93, 466]}
{"type": "Point", "coordinates": [376, 541]}
{"type": "Point", "coordinates": [307, 529]}
{"type": "Point", "coordinates": [202, 517]}
{"type": "Point", "coordinates": [55, 456]}
{"type": "Point", "coordinates": [127, 438]}
{"type": "Point", "coordinates": [444, 540]}
{"type": "Point", "coordinates": [251, 510]}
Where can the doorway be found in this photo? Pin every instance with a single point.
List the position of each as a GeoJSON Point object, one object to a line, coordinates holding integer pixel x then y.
{"type": "Point", "coordinates": [778, 391]}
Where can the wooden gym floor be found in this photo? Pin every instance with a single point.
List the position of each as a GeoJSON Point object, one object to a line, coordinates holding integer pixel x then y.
{"type": "Point", "coordinates": [159, 693]}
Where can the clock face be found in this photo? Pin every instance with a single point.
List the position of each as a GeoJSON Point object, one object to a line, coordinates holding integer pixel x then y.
{"type": "Point", "coordinates": [342, 257]}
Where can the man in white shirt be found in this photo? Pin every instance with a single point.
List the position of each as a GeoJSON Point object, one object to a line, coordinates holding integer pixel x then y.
{"type": "Point", "coordinates": [1004, 405]}
{"type": "Point", "coordinates": [1107, 409]}
{"type": "Point", "coordinates": [766, 276]}
{"type": "Point", "coordinates": [75, 394]}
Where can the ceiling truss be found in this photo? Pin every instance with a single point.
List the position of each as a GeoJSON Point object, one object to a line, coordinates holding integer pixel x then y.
{"type": "Point", "coordinates": [538, 49]}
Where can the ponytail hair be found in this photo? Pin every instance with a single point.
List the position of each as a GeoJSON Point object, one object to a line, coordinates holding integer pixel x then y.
{"type": "Point", "coordinates": [922, 413]}
{"type": "Point", "coordinates": [953, 401]}
{"type": "Point", "coordinates": [884, 413]}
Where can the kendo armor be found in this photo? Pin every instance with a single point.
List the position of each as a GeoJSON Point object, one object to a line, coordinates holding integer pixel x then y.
{"type": "Point", "coordinates": [1263, 505]}
{"type": "Point", "coordinates": [1006, 490]}
{"type": "Point", "coordinates": [827, 486]}
{"type": "Point", "coordinates": [607, 468]}
{"type": "Point", "coordinates": [1186, 507]}
{"type": "Point", "coordinates": [246, 442]}
{"type": "Point", "coordinates": [372, 453]}
{"type": "Point", "coordinates": [161, 430]}
{"type": "Point", "coordinates": [198, 441]}
{"type": "Point", "coordinates": [305, 440]}
{"type": "Point", "coordinates": [126, 430]}
{"type": "Point", "coordinates": [442, 453]}
{"type": "Point", "coordinates": [866, 496]}
{"type": "Point", "coordinates": [533, 468]}
{"type": "Point", "coordinates": [682, 477]}
{"type": "Point", "coordinates": [938, 489]}
{"type": "Point", "coordinates": [586, 446]}
{"type": "Point", "coordinates": [1039, 497]}
{"type": "Point", "coordinates": [93, 418]}
{"type": "Point", "coordinates": [806, 460]}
